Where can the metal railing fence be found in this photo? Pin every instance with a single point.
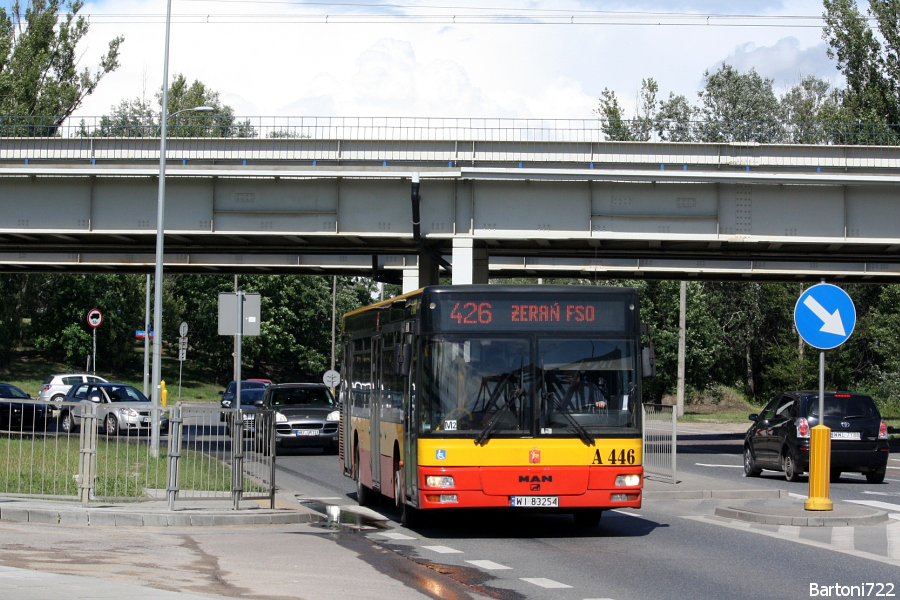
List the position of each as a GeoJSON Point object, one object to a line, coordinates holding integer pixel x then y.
{"type": "Point", "coordinates": [101, 452]}
{"type": "Point", "coordinates": [453, 142]}
{"type": "Point", "coordinates": [659, 438]}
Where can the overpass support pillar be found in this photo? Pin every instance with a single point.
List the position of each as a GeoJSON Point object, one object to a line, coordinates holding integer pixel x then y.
{"type": "Point", "coordinates": [410, 280]}
{"type": "Point", "coordinates": [429, 270]}
{"type": "Point", "coordinates": [470, 262]}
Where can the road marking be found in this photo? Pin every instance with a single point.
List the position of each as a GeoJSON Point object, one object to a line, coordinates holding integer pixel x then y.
{"type": "Point", "coordinates": [544, 583]}
{"type": "Point", "coordinates": [622, 511]}
{"type": "Point", "coordinates": [842, 548]}
{"type": "Point", "coordinates": [395, 536]}
{"type": "Point", "coordinates": [877, 504]}
{"type": "Point", "coordinates": [730, 466]}
{"type": "Point", "coordinates": [880, 493]}
{"type": "Point", "coordinates": [842, 537]}
{"type": "Point", "coordinates": [488, 565]}
{"type": "Point", "coordinates": [443, 550]}
{"type": "Point", "coordinates": [797, 496]}
{"type": "Point", "coordinates": [893, 540]}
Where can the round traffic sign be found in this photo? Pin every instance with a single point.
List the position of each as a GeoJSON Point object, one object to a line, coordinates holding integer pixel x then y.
{"type": "Point", "coordinates": [824, 316]}
{"type": "Point", "coordinates": [331, 378]}
{"type": "Point", "coordinates": [94, 318]}
{"type": "Point", "coordinates": [182, 329]}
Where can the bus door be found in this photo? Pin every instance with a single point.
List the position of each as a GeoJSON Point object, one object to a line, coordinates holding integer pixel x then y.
{"type": "Point", "coordinates": [410, 437]}
{"type": "Point", "coordinates": [345, 402]}
{"type": "Point", "coordinates": [375, 408]}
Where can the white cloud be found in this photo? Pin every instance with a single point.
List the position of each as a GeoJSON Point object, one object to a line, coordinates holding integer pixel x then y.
{"type": "Point", "coordinates": [394, 68]}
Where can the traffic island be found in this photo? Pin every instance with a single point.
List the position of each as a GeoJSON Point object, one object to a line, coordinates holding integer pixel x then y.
{"type": "Point", "coordinates": [842, 515]}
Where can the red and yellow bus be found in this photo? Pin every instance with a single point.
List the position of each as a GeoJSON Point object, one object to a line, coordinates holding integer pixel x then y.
{"type": "Point", "coordinates": [496, 396]}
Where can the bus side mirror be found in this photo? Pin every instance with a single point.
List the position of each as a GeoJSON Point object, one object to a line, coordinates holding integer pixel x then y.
{"type": "Point", "coordinates": [402, 357]}
{"type": "Point", "coordinates": [648, 362]}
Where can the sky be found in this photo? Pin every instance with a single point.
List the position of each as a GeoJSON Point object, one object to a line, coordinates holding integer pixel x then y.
{"type": "Point", "coordinates": [448, 58]}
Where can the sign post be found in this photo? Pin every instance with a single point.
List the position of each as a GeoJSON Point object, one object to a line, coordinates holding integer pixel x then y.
{"type": "Point", "coordinates": [331, 378]}
{"type": "Point", "coordinates": [825, 317]}
{"type": "Point", "coordinates": [94, 319]}
{"type": "Point", "coordinates": [182, 352]}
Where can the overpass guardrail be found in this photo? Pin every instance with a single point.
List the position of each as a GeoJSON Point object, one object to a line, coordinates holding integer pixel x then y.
{"type": "Point", "coordinates": [445, 142]}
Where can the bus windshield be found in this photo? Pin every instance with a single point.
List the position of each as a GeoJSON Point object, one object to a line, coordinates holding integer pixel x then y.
{"type": "Point", "coordinates": [489, 386]}
{"type": "Point", "coordinates": [586, 383]}
{"type": "Point", "coordinates": [471, 385]}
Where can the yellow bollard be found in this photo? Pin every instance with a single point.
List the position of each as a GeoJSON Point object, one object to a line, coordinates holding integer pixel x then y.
{"type": "Point", "coordinates": [163, 394]}
{"type": "Point", "coordinates": [819, 469]}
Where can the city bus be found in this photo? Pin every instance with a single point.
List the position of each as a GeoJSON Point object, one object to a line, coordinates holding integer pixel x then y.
{"type": "Point", "coordinates": [520, 397]}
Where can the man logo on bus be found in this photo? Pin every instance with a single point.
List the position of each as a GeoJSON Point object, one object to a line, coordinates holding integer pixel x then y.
{"type": "Point", "coordinates": [534, 456]}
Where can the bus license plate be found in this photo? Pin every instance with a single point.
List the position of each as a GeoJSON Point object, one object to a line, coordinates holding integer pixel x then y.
{"type": "Point", "coordinates": [845, 435]}
{"type": "Point", "coordinates": [534, 501]}
{"type": "Point", "coordinates": [305, 432]}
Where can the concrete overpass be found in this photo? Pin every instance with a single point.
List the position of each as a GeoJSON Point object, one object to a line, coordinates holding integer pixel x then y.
{"type": "Point", "coordinates": [495, 198]}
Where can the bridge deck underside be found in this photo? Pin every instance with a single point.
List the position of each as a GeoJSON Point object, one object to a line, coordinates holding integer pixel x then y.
{"type": "Point", "coordinates": [761, 219]}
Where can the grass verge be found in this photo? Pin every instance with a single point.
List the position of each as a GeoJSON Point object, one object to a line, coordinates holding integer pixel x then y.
{"type": "Point", "coordinates": [49, 465]}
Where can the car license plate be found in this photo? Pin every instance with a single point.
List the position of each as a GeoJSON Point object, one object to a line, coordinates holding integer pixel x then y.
{"type": "Point", "coordinates": [534, 501]}
{"type": "Point", "coordinates": [845, 435]}
{"type": "Point", "coordinates": [305, 432]}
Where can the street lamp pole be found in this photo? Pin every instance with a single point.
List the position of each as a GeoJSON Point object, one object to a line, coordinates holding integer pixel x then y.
{"type": "Point", "coordinates": [160, 234]}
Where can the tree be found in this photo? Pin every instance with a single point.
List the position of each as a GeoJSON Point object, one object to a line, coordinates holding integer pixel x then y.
{"type": "Point", "coordinates": [39, 74]}
{"type": "Point", "coordinates": [737, 107]}
{"type": "Point", "coordinates": [612, 117]}
{"type": "Point", "coordinates": [813, 107]}
{"type": "Point", "coordinates": [220, 123]}
{"type": "Point", "coordinates": [140, 118]}
{"type": "Point", "coordinates": [868, 61]}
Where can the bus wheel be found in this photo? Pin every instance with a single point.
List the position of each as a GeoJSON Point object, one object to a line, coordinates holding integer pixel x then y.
{"type": "Point", "coordinates": [364, 496]}
{"type": "Point", "coordinates": [410, 517]}
{"type": "Point", "coordinates": [587, 518]}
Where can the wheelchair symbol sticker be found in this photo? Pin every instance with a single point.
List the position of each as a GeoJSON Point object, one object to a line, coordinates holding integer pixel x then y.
{"type": "Point", "coordinates": [440, 455]}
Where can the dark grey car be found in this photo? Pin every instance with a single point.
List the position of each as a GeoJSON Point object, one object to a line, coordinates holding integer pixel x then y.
{"type": "Point", "coordinates": [305, 415]}
{"type": "Point", "coordinates": [779, 438]}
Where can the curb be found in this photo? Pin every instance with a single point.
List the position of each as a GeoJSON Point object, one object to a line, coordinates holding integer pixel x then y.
{"type": "Point", "coordinates": [738, 494]}
{"type": "Point", "coordinates": [870, 517]}
{"type": "Point", "coordinates": [120, 518]}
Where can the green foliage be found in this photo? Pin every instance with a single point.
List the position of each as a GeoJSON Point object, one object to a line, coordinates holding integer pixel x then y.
{"type": "Point", "coordinates": [60, 304]}
{"type": "Point", "coordinates": [39, 74]}
{"type": "Point", "coordinates": [867, 58]}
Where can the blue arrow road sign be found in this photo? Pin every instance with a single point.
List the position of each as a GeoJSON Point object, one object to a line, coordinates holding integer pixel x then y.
{"type": "Point", "coordinates": [824, 316]}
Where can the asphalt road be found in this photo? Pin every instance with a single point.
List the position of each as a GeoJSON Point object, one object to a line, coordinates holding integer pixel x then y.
{"type": "Point", "coordinates": [668, 549]}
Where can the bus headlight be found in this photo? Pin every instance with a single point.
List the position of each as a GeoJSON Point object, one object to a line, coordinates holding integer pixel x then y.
{"type": "Point", "coordinates": [280, 418]}
{"type": "Point", "coordinates": [334, 415]}
{"type": "Point", "coordinates": [439, 481]}
{"type": "Point", "coordinates": [628, 480]}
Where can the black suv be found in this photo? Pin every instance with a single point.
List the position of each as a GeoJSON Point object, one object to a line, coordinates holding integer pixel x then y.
{"type": "Point", "coordinates": [778, 440]}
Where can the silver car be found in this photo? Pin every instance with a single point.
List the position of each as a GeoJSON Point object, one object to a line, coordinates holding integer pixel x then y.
{"type": "Point", "coordinates": [120, 408]}
{"type": "Point", "coordinates": [56, 386]}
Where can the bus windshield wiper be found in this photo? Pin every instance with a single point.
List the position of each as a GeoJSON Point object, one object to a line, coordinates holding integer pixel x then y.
{"type": "Point", "coordinates": [515, 395]}
{"type": "Point", "coordinates": [586, 437]}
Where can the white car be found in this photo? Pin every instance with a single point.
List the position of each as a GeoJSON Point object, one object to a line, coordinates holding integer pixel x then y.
{"type": "Point", "coordinates": [56, 386]}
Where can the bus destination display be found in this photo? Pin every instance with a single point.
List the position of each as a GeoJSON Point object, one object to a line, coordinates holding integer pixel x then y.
{"type": "Point", "coordinates": [570, 313]}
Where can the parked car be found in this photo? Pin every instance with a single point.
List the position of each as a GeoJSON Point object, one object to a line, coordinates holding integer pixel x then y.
{"type": "Point", "coordinates": [56, 386]}
{"type": "Point", "coordinates": [16, 415]}
{"type": "Point", "coordinates": [305, 415]}
{"type": "Point", "coordinates": [779, 438]}
{"type": "Point", "coordinates": [246, 384]}
{"type": "Point", "coordinates": [250, 399]}
{"type": "Point", "coordinates": [120, 407]}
